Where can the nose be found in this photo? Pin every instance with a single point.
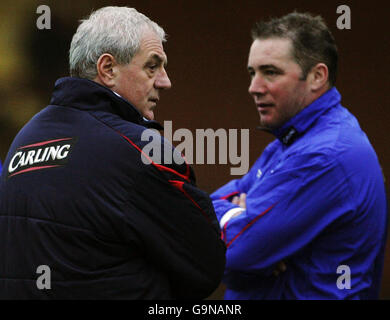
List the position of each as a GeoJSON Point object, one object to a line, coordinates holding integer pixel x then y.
{"type": "Point", "coordinates": [257, 86]}
{"type": "Point", "coordinates": [162, 80]}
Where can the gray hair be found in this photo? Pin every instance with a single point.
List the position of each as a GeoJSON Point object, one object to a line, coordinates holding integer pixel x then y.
{"type": "Point", "coordinates": [113, 30]}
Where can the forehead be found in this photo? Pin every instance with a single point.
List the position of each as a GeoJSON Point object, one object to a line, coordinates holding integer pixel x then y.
{"type": "Point", "coordinates": [270, 51]}
{"type": "Point", "coordinates": [151, 46]}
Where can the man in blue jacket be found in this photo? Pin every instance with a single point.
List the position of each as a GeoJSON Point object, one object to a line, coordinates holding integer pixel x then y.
{"type": "Point", "coordinates": [313, 205]}
{"type": "Point", "coordinates": [85, 213]}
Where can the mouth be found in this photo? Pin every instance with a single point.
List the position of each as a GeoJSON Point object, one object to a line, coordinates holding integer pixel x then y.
{"type": "Point", "coordinates": [264, 106]}
{"type": "Point", "coordinates": [154, 100]}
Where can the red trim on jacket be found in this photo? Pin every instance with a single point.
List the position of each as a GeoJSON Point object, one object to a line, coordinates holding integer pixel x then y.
{"type": "Point", "coordinates": [158, 166]}
{"type": "Point", "coordinates": [44, 142]}
{"type": "Point", "coordinates": [247, 226]}
{"type": "Point", "coordinates": [33, 169]}
{"type": "Point", "coordinates": [229, 195]}
{"type": "Point", "coordinates": [179, 185]}
{"type": "Point", "coordinates": [223, 231]}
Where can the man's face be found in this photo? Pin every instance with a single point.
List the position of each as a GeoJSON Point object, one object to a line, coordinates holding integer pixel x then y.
{"type": "Point", "coordinates": [275, 86]}
{"type": "Point", "coordinates": [141, 80]}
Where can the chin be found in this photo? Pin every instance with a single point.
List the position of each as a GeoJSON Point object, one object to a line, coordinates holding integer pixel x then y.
{"type": "Point", "coordinates": [269, 125]}
{"type": "Point", "coordinates": [265, 122]}
{"type": "Point", "coordinates": [149, 116]}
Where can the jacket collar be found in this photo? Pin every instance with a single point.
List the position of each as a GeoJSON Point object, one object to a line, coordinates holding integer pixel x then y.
{"type": "Point", "coordinates": [302, 121]}
{"type": "Point", "coordinates": [88, 95]}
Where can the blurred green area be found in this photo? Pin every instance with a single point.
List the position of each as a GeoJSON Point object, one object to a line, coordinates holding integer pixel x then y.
{"type": "Point", "coordinates": [32, 59]}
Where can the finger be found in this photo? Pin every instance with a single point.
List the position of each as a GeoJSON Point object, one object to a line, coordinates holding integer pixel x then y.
{"type": "Point", "coordinates": [242, 202]}
{"type": "Point", "coordinates": [235, 200]}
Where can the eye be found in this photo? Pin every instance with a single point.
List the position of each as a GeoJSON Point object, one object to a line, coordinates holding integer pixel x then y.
{"type": "Point", "coordinates": [270, 72]}
{"type": "Point", "coordinates": [153, 67]}
{"type": "Point", "coordinates": [251, 73]}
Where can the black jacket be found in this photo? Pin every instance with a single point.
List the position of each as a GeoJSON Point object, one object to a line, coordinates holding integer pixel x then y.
{"type": "Point", "coordinates": [76, 196]}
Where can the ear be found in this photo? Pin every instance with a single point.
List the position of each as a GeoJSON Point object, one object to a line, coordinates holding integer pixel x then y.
{"type": "Point", "coordinates": [318, 77]}
{"type": "Point", "coordinates": [105, 70]}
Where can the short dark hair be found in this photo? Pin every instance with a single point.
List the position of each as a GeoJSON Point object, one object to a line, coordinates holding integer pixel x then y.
{"type": "Point", "coordinates": [311, 39]}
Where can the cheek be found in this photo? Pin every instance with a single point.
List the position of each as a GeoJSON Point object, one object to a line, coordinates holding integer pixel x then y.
{"type": "Point", "coordinates": [282, 91]}
{"type": "Point", "coordinates": [143, 86]}
{"type": "Point", "coordinates": [137, 89]}
{"type": "Point", "coordinates": [278, 91]}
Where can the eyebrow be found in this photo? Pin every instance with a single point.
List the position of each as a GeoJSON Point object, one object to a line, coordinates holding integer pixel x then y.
{"type": "Point", "coordinates": [265, 67]}
{"type": "Point", "coordinates": [159, 59]}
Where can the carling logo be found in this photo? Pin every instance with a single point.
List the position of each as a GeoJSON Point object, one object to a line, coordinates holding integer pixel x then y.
{"type": "Point", "coordinates": [40, 155]}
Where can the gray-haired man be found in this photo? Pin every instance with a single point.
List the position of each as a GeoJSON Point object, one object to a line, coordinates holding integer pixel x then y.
{"type": "Point", "coordinates": [76, 197]}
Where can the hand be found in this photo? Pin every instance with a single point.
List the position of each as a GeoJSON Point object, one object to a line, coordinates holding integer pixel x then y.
{"type": "Point", "coordinates": [280, 268]}
{"type": "Point", "coordinates": [240, 201]}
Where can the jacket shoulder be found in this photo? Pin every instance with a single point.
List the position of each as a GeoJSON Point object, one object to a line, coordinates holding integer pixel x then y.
{"type": "Point", "coordinates": [149, 146]}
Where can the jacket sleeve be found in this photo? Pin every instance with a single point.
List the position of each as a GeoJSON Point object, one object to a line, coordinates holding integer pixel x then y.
{"type": "Point", "coordinates": [178, 230]}
{"type": "Point", "coordinates": [285, 212]}
{"type": "Point", "coordinates": [221, 198]}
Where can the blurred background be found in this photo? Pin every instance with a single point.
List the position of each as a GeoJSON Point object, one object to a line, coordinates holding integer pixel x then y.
{"type": "Point", "coordinates": [207, 51]}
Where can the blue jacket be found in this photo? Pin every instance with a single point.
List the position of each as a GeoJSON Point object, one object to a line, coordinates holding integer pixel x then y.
{"type": "Point", "coordinates": [315, 200]}
{"type": "Point", "coordinates": [76, 196]}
